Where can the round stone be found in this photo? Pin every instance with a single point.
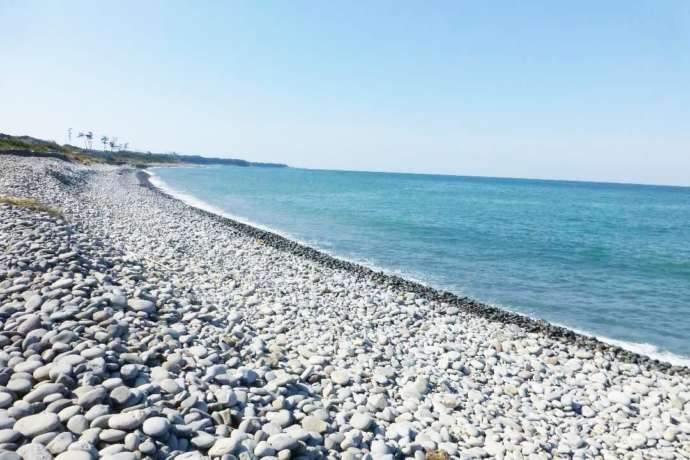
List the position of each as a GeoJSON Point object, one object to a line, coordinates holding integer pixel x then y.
{"type": "Point", "coordinates": [282, 441]}
{"type": "Point", "coordinates": [361, 421]}
{"type": "Point", "coordinates": [203, 440]}
{"type": "Point", "coordinates": [9, 435]}
{"type": "Point", "coordinates": [170, 386]}
{"type": "Point", "coordinates": [34, 451]}
{"type": "Point", "coordinates": [314, 424]}
{"type": "Point", "coordinates": [20, 386]}
{"type": "Point", "coordinates": [111, 435]}
{"type": "Point", "coordinates": [618, 397]}
{"type": "Point", "coordinates": [340, 377]}
{"type": "Point", "coordinates": [127, 421]}
{"type": "Point", "coordinates": [75, 455]}
{"type": "Point", "coordinates": [33, 425]}
{"type": "Point", "coordinates": [60, 443]}
{"type": "Point", "coordinates": [121, 456]}
{"type": "Point", "coordinates": [156, 426]}
{"type": "Point", "coordinates": [77, 424]}
{"type": "Point", "coordinates": [7, 455]}
{"type": "Point", "coordinates": [6, 400]}
{"type": "Point", "coordinates": [222, 446]}
{"type": "Point", "coordinates": [92, 397]}
{"type": "Point", "coordinates": [120, 395]}
{"type": "Point", "coordinates": [142, 305]}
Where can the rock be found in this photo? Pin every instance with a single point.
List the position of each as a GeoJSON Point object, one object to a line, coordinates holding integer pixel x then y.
{"type": "Point", "coordinates": [6, 455]}
{"type": "Point", "coordinates": [636, 441]}
{"type": "Point", "coordinates": [111, 435]}
{"type": "Point", "coordinates": [262, 449]}
{"type": "Point", "coordinates": [170, 386]}
{"type": "Point", "coordinates": [34, 451]}
{"type": "Point", "coordinates": [75, 455]}
{"type": "Point", "coordinates": [203, 440]}
{"type": "Point", "coordinates": [379, 447]}
{"type": "Point", "coordinates": [361, 421]}
{"type": "Point", "coordinates": [7, 436]}
{"type": "Point", "coordinates": [618, 397]}
{"type": "Point", "coordinates": [222, 446]}
{"type": "Point", "coordinates": [34, 302]}
{"type": "Point", "coordinates": [18, 385]}
{"type": "Point", "coordinates": [40, 392]}
{"type": "Point", "coordinates": [60, 443]}
{"type": "Point", "coordinates": [32, 322]}
{"type": "Point", "coordinates": [340, 377]}
{"type": "Point", "coordinates": [142, 305]}
{"type": "Point", "coordinates": [156, 426]}
{"type": "Point", "coordinates": [121, 395]}
{"type": "Point", "coordinates": [6, 400]}
{"type": "Point", "coordinates": [92, 397]}
{"type": "Point", "coordinates": [494, 448]}
{"type": "Point", "coordinates": [282, 418]}
{"type": "Point", "coordinates": [63, 283]}
{"type": "Point", "coordinates": [314, 424]}
{"type": "Point", "coordinates": [282, 441]}
{"type": "Point", "coordinates": [77, 424]}
{"type": "Point", "coordinates": [121, 456]}
{"type": "Point", "coordinates": [127, 421]}
{"type": "Point", "coordinates": [34, 425]}
{"type": "Point", "coordinates": [587, 412]}
{"type": "Point", "coordinates": [377, 401]}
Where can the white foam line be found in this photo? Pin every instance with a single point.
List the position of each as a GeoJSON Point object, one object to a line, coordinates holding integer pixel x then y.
{"type": "Point", "coordinates": [645, 349]}
{"type": "Point", "coordinates": [200, 204]}
{"type": "Point", "coordinates": [195, 202]}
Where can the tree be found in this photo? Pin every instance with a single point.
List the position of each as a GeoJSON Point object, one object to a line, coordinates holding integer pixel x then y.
{"type": "Point", "coordinates": [113, 143]}
{"type": "Point", "coordinates": [104, 140]}
{"type": "Point", "coordinates": [82, 135]}
{"type": "Point", "coordinates": [125, 145]}
{"type": "Point", "coordinates": [89, 136]}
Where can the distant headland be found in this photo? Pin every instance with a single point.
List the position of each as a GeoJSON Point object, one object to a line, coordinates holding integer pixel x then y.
{"type": "Point", "coordinates": [31, 146]}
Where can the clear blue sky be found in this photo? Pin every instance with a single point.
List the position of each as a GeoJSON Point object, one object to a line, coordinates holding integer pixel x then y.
{"type": "Point", "coordinates": [575, 90]}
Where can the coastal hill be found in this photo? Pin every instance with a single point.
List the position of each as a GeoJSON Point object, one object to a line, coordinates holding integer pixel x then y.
{"type": "Point", "coordinates": [31, 146]}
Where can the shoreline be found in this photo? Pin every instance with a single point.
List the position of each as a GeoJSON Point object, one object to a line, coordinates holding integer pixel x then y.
{"type": "Point", "coordinates": [467, 304]}
{"type": "Point", "coordinates": [137, 326]}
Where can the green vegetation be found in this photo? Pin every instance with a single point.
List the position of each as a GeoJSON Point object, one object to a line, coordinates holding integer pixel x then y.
{"type": "Point", "coordinates": [29, 203]}
{"type": "Point", "coordinates": [24, 142]}
{"type": "Point", "coordinates": [26, 145]}
{"type": "Point", "coordinates": [30, 146]}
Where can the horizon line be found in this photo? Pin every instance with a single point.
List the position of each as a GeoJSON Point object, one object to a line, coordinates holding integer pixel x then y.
{"type": "Point", "coordinates": [542, 179]}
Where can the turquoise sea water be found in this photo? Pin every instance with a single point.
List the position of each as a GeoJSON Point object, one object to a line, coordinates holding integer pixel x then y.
{"type": "Point", "coordinates": [605, 259]}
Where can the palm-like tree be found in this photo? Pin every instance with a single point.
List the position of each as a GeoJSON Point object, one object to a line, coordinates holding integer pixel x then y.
{"type": "Point", "coordinates": [89, 136]}
{"type": "Point", "coordinates": [104, 140]}
{"type": "Point", "coordinates": [82, 135]}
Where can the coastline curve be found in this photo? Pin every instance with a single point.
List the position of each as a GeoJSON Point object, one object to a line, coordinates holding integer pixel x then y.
{"type": "Point", "coordinates": [449, 299]}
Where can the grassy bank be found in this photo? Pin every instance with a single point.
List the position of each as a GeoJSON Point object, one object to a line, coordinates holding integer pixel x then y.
{"type": "Point", "coordinates": [30, 146]}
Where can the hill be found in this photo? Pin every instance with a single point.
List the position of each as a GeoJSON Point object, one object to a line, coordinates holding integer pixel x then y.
{"type": "Point", "coordinates": [31, 146]}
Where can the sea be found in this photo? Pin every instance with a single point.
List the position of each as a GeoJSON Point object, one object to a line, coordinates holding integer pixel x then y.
{"type": "Point", "coordinates": [606, 260]}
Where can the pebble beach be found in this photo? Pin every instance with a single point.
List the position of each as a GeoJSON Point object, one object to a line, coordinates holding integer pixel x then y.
{"type": "Point", "coordinates": [133, 326]}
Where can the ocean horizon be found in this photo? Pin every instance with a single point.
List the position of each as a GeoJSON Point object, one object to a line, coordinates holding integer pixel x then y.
{"type": "Point", "coordinates": [609, 260]}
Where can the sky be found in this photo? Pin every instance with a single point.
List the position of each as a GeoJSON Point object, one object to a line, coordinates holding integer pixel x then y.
{"type": "Point", "coordinates": [585, 90]}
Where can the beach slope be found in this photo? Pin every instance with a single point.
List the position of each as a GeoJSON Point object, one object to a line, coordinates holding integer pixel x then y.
{"type": "Point", "coordinates": [136, 326]}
